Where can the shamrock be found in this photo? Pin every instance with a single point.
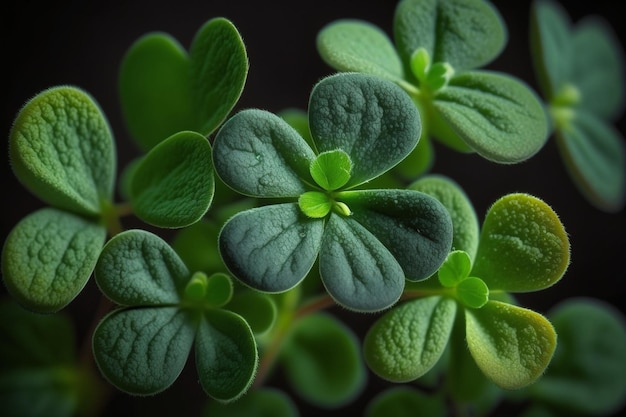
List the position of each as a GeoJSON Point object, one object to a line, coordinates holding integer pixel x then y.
{"type": "Point", "coordinates": [368, 241]}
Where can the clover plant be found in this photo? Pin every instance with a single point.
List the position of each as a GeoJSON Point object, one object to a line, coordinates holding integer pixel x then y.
{"type": "Point", "coordinates": [250, 261]}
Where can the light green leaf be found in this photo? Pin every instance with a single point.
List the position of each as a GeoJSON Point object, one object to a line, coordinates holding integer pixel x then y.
{"type": "Point", "coordinates": [155, 89]}
{"type": "Point", "coordinates": [331, 169]}
{"type": "Point", "coordinates": [61, 148]}
{"type": "Point", "coordinates": [357, 270]}
{"type": "Point", "coordinates": [371, 119]}
{"type": "Point", "coordinates": [173, 184]}
{"type": "Point", "coordinates": [315, 204]}
{"type": "Point", "coordinates": [595, 156]}
{"type": "Point", "coordinates": [219, 68]}
{"type": "Point", "coordinates": [258, 154]}
{"type": "Point", "coordinates": [587, 373]}
{"type": "Point", "coordinates": [48, 257]}
{"type": "Point", "coordinates": [322, 361]}
{"type": "Point", "coordinates": [226, 355]}
{"type": "Point", "coordinates": [551, 46]}
{"type": "Point", "coordinates": [455, 268]}
{"type": "Point", "coordinates": [497, 115]}
{"type": "Point", "coordinates": [408, 340]}
{"type": "Point", "coordinates": [511, 345]}
{"type": "Point", "coordinates": [523, 245]}
{"type": "Point", "coordinates": [413, 226]}
{"type": "Point", "coordinates": [404, 401]}
{"type": "Point", "coordinates": [141, 351]}
{"type": "Point", "coordinates": [472, 292]}
{"type": "Point", "coordinates": [466, 228]}
{"type": "Point", "coordinates": [271, 248]}
{"type": "Point", "coordinates": [466, 34]}
{"type": "Point", "coordinates": [164, 90]}
{"type": "Point", "coordinates": [137, 268]}
{"type": "Point", "coordinates": [261, 402]}
{"type": "Point", "coordinates": [351, 45]}
{"type": "Point", "coordinates": [598, 68]}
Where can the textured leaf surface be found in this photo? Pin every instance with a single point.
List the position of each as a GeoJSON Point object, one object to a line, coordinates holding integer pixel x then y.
{"type": "Point", "coordinates": [258, 154]}
{"type": "Point", "coordinates": [497, 115]}
{"type": "Point", "coordinates": [173, 185]}
{"type": "Point", "coordinates": [271, 248]}
{"type": "Point", "coordinates": [352, 45]}
{"type": "Point", "coordinates": [407, 341]}
{"type": "Point", "coordinates": [523, 245]}
{"type": "Point", "coordinates": [587, 373]}
{"type": "Point", "coordinates": [466, 228]}
{"type": "Point", "coordinates": [464, 33]}
{"type": "Point", "coordinates": [511, 345]}
{"type": "Point", "coordinates": [322, 361]}
{"type": "Point", "coordinates": [48, 257]}
{"type": "Point", "coordinates": [165, 90]}
{"type": "Point", "coordinates": [226, 355]}
{"type": "Point", "coordinates": [357, 270]}
{"type": "Point", "coordinates": [142, 351]}
{"type": "Point", "coordinates": [137, 267]}
{"type": "Point", "coordinates": [595, 155]}
{"type": "Point", "coordinates": [414, 226]}
{"type": "Point", "coordinates": [371, 119]}
{"type": "Point", "coordinates": [61, 148]}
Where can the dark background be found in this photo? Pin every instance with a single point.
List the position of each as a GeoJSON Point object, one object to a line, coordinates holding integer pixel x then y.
{"type": "Point", "coordinates": [82, 43]}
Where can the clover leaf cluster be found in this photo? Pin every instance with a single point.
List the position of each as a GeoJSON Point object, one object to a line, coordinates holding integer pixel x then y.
{"type": "Point", "coordinates": [275, 217]}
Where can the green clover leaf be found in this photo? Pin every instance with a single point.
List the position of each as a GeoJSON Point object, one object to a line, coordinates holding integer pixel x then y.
{"type": "Point", "coordinates": [580, 69]}
{"type": "Point", "coordinates": [510, 344]}
{"type": "Point", "coordinates": [329, 375]}
{"type": "Point", "coordinates": [408, 340]}
{"type": "Point", "coordinates": [523, 245]}
{"type": "Point", "coordinates": [142, 346]}
{"type": "Point", "coordinates": [439, 46]}
{"type": "Point", "coordinates": [361, 126]}
{"type": "Point", "coordinates": [48, 257]}
{"type": "Point", "coordinates": [165, 90]}
{"type": "Point", "coordinates": [62, 150]}
{"type": "Point", "coordinates": [173, 185]}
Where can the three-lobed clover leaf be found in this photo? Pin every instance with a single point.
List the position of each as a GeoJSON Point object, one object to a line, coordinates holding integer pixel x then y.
{"type": "Point", "coordinates": [62, 150]}
{"type": "Point", "coordinates": [438, 47]}
{"type": "Point", "coordinates": [522, 247]}
{"type": "Point", "coordinates": [142, 346]}
{"type": "Point", "coordinates": [164, 89]}
{"type": "Point", "coordinates": [367, 241]}
{"type": "Point", "coordinates": [580, 69]}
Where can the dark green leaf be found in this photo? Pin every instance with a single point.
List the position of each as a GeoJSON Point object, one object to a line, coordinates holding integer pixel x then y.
{"type": "Point", "coordinates": [403, 401]}
{"type": "Point", "coordinates": [48, 257]}
{"type": "Point", "coordinates": [358, 271]}
{"type": "Point", "coordinates": [226, 355]}
{"type": "Point", "coordinates": [497, 115]}
{"type": "Point", "coordinates": [61, 148]}
{"type": "Point", "coordinates": [258, 309]}
{"type": "Point", "coordinates": [258, 154]}
{"type": "Point", "coordinates": [407, 341]}
{"type": "Point", "coordinates": [271, 248]}
{"type": "Point", "coordinates": [523, 245]}
{"type": "Point", "coordinates": [173, 184]}
{"type": "Point", "coordinates": [588, 372]}
{"type": "Point", "coordinates": [371, 119]}
{"type": "Point", "coordinates": [466, 34]}
{"type": "Point", "coordinates": [322, 361]}
{"type": "Point", "coordinates": [415, 227]}
{"type": "Point", "coordinates": [137, 267]}
{"type": "Point", "coordinates": [511, 345]}
{"type": "Point", "coordinates": [142, 351]}
{"type": "Point", "coordinates": [595, 156]}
